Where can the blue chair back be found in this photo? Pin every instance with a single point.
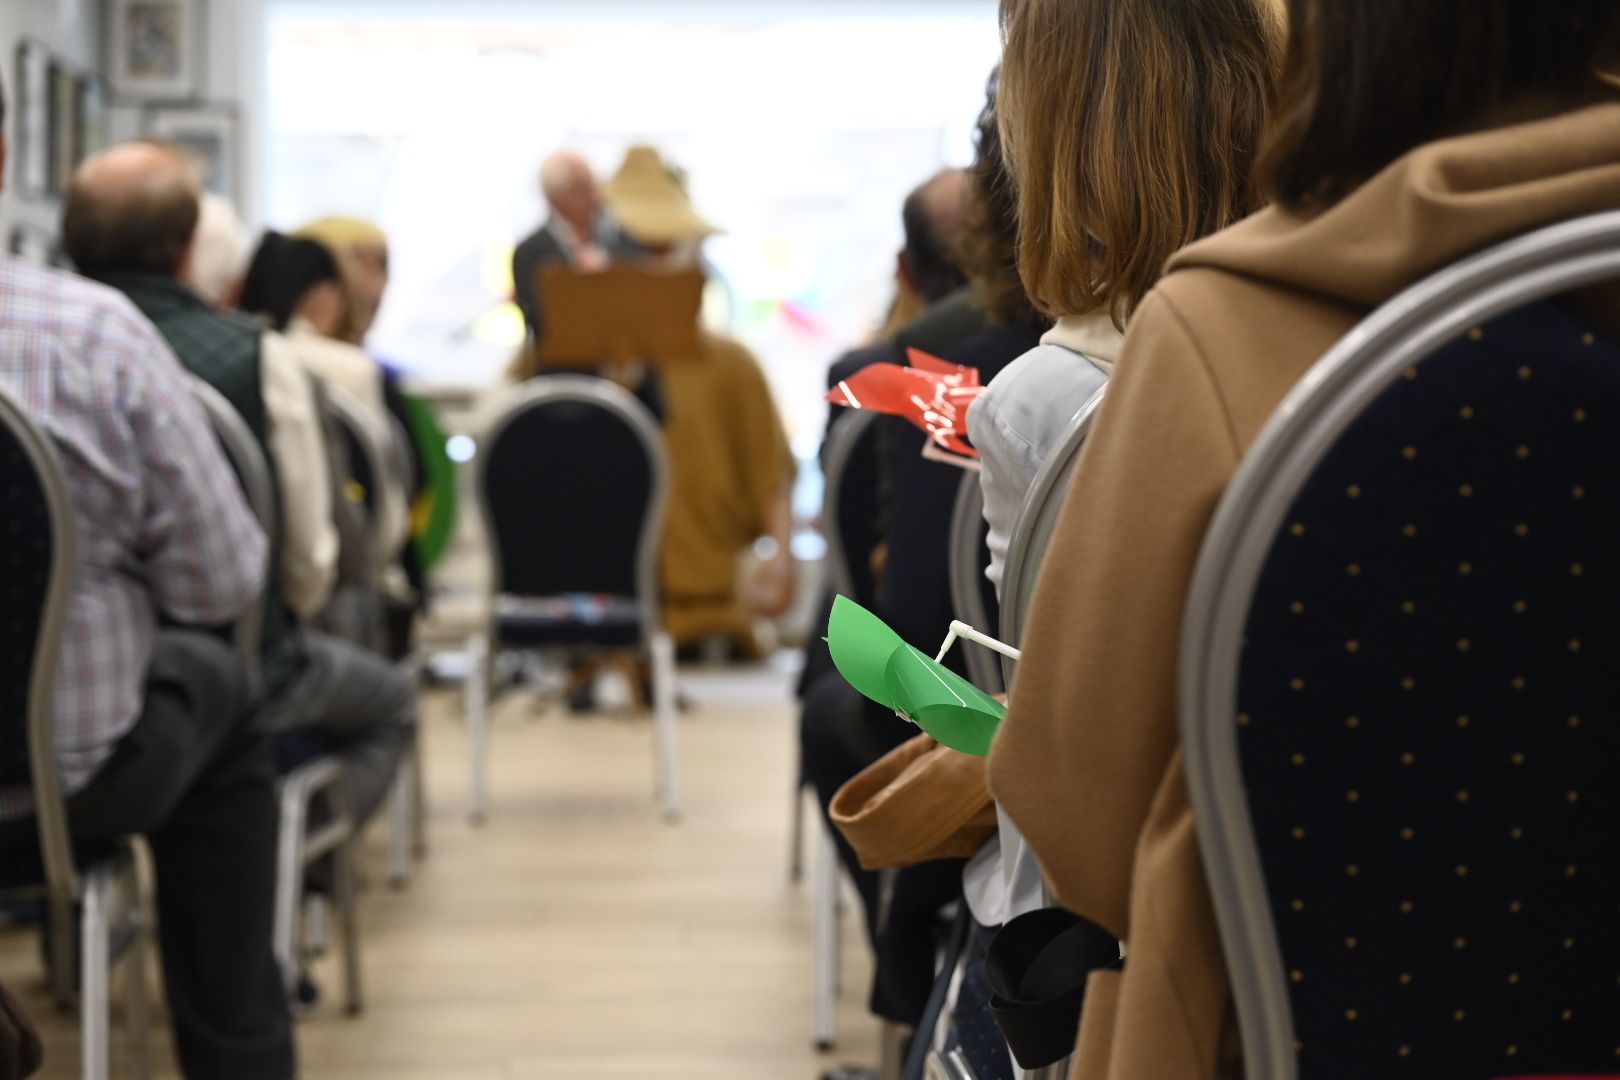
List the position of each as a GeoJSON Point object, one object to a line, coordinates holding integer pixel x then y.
{"type": "Point", "coordinates": [1400, 719]}
{"type": "Point", "coordinates": [40, 530]}
{"type": "Point", "coordinates": [573, 482]}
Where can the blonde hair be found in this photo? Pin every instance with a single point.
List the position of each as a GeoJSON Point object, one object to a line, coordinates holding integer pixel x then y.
{"type": "Point", "coordinates": [1130, 127]}
{"type": "Point", "coordinates": [343, 237]}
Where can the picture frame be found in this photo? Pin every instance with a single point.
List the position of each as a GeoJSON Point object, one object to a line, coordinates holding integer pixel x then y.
{"type": "Point", "coordinates": [64, 126]}
{"type": "Point", "coordinates": [94, 132]}
{"type": "Point", "coordinates": [35, 244]}
{"type": "Point", "coordinates": [153, 48]}
{"type": "Point", "coordinates": [210, 133]}
{"type": "Point", "coordinates": [33, 124]}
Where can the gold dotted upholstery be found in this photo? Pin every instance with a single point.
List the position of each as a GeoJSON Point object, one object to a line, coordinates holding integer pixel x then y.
{"type": "Point", "coordinates": [1430, 719]}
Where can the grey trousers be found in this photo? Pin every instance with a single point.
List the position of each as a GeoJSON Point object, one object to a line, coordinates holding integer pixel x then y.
{"type": "Point", "coordinates": [357, 705]}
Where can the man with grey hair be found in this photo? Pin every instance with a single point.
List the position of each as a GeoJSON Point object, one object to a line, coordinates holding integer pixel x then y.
{"type": "Point", "coordinates": [577, 232]}
{"type": "Point", "coordinates": [130, 222]}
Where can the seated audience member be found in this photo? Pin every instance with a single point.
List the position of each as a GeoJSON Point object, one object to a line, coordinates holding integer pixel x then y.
{"type": "Point", "coordinates": [361, 250]}
{"type": "Point", "coordinates": [296, 286]}
{"type": "Point", "coordinates": [1381, 173]}
{"type": "Point", "coordinates": [944, 309]}
{"type": "Point", "coordinates": [842, 734]}
{"type": "Point", "coordinates": [1093, 96]}
{"type": "Point", "coordinates": [731, 468]}
{"type": "Point", "coordinates": [838, 735]}
{"type": "Point", "coordinates": [155, 731]}
{"type": "Point", "coordinates": [577, 233]}
{"type": "Point", "coordinates": [130, 218]}
{"type": "Point", "coordinates": [218, 253]}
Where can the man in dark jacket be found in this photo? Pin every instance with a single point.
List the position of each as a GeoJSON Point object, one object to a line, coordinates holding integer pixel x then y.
{"type": "Point", "coordinates": [577, 233]}
{"type": "Point", "coordinates": [130, 219]}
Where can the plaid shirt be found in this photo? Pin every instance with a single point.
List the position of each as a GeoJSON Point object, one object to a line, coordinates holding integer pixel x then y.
{"type": "Point", "coordinates": [163, 525]}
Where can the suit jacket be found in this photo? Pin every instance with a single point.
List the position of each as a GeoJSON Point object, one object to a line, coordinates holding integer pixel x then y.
{"type": "Point", "coordinates": [542, 248]}
{"type": "Point", "coordinates": [1088, 761]}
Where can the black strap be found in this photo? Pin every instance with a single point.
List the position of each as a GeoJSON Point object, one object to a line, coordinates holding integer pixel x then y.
{"type": "Point", "coordinates": [1037, 967]}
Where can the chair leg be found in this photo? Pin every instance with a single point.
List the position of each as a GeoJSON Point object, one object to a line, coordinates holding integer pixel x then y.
{"type": "Point", "coordinates": [477, 697]}
{"type": "Point", "coordinates": [59, 941]}
{"type": "Point", "coordinates": [95, 961]}
{"type": "Point", "coordinates": [401, 812]}
{"type": "Point", "coordinates": [826, 943]}
{"type": "Point", "coordinates": [137, 1008]}
{"type": "Point", "coordinates": [796, 825]}
{"type": "Point", "coordinates": [289, 888]}
{"type": "Point", "coordinates": [419, 843]}
{"type": "Point", "coordinates": [663, 658]}
{"type": "Point", "coordinates": [346, 890]}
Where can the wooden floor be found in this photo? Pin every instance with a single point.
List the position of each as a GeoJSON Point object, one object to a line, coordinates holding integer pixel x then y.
{"type": "Point", "coordinates": [575, 935]}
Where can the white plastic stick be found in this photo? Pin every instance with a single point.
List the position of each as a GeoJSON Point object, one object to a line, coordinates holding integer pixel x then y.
{"type": "Point", "coordinates": [960, 629]}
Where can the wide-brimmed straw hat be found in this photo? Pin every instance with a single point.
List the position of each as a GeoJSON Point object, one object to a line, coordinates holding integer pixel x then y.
{"type": "Point", "coordinates": [649, 201]}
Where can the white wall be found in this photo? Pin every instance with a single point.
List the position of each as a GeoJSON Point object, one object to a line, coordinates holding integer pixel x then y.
{"type": "Point", "coordinates": [71, 29]}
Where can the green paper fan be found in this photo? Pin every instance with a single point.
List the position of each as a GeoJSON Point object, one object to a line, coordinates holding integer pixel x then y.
{"type": "Point", "coordinates": [880, 665]}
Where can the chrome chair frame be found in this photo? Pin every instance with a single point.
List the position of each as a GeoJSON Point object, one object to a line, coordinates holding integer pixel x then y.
{"type": "Point", "coordinates": [296, 847]}
{"type": "Point", "coordinates": [1036, 521]}
{"type": "Point", "coordinates": [389, 465]}
{"type": "Point", "coordinates": [602, 394]}
{"type": "Point", "coordinates": [967, 580]}
{"type": "Point", "coordinates": [841, 443]}
{"type": "Point", "coordinates": [106, 936]}
{"type": "Point", "coordinates": [1032, 532]}
{"type": "Point", "coordinates": [1300, 433]}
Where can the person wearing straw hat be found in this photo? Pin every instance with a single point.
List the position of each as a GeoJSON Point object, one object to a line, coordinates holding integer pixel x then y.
{"type": "Point", "coordinates": [732, 470]}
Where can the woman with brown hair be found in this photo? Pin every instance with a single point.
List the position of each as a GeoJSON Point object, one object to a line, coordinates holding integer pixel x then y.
{"type": "Point", "coordinates": [1410, 135]}
{"type": "Point", "coordinates": [1129, 128]}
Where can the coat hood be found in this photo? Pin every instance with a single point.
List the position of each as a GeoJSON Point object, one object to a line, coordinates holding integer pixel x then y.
{"type": "Point", "coordinates": [1437, 204]}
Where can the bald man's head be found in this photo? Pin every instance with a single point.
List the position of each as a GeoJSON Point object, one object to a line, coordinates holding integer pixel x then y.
{"type": "Point", "coordinates": [569, 185]}
{"type": "Point", "coordinates": [933, 221]}
{"type": "Point", "coordinates": [132, 209]}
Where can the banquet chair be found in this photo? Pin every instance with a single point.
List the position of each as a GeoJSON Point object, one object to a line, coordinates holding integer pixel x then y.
{"type": "Point", "coordinates": [1398, 712]}
{"type": "Point", "coordinates": [79, 885]}
{"type": "Point", "coordinates": [573, 480]}
{"type": "Point", "coordinates": [372, 470]}
{"type": "Point", "coordinates": [839, 520]}
{"type": "Point", "coordinates": [299, 842]}
{"type": "Point", "coordinates": [972, 599]}
{"type": "Point", "coordinates": [1036, 521]}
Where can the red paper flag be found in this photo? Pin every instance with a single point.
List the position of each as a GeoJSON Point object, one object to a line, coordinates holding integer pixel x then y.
{"type": "Point", "coordinates": [933, 394]}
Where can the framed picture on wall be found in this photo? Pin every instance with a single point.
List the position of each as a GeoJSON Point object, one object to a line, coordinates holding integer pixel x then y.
{"type": "Point", "coordinates": [65, 116]}
{"type": "Point", "coordinates": [93, 132]}
{"type": "Point", "coordinates": [35, 244]}
{"type": "Point", "coordinates": [208, 132]}
{"type": "Point", "coordinates": [33, 119]}
{"type": "Point", "coordinates": [153, 47]}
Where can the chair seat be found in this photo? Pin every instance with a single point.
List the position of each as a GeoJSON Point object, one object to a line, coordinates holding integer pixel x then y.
{"type": "Point", "coordinates": [22, 867]}
{"type": "Point", "coordinates": [573, 619]}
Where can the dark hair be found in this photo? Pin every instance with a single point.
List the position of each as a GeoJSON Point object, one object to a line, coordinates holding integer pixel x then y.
{"type": "Point", "coordinates": [142, 227]}
{"type": "Point", "coordinates": [931, 242]}
{"type": "Point", "coordinates": [282, 272]}
{"type": "Point", "coordinates": [1365, 81]}
{"type": "Point", "coordinates": [988, 246]}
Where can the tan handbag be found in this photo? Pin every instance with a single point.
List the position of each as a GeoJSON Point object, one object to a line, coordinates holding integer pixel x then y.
{"type": "Point", "coordinates": [919, 802]}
